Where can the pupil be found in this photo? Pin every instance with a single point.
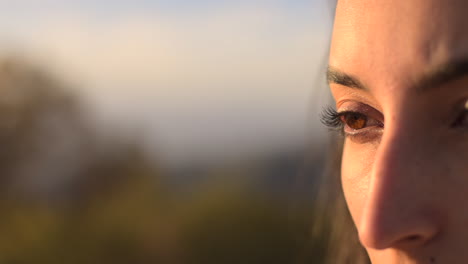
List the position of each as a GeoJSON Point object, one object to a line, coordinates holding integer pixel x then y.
{"type": "Point", "coordinates": [356, 121]}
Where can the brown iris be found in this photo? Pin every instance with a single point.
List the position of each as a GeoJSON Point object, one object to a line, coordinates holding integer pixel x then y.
{"type": "Point", "coordinates": [354, 120]}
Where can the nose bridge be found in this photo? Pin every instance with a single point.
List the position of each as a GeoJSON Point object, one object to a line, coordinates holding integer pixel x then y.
{"type": "Point", "coordinates": [397, 212]}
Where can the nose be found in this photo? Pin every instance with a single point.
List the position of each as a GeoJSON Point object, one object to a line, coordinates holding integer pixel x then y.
{"type": "Point", "coordinates": [399, 211]}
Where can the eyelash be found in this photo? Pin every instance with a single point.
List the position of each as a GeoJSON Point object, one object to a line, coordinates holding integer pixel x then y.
{"type": "Point", "coordinates": [336, 121]}
{"type": "Point", "coordinates": [332, 119]}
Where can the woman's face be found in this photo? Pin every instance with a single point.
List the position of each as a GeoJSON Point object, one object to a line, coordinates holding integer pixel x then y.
{"type": "Point", "coordinates": [399, 75]}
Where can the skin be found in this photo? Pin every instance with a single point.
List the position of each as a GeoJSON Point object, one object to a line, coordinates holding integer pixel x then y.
{"type": "Point", "coordinates": [402, 64]}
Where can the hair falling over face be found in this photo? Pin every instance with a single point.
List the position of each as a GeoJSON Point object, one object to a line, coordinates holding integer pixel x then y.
{"type": "Point", "coordinates": [334, 222]}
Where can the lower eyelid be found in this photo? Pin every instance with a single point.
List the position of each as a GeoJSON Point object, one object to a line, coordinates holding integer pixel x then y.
{"type": "Point", "coordinates": [364, 135]}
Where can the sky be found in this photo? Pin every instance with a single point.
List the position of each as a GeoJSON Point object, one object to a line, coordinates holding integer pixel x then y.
{"type": "Point", "coordinates": [192, 79]}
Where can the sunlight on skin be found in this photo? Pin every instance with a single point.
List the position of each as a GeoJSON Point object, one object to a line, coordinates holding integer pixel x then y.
{"type": "Point", "coordinates": [403, 64]}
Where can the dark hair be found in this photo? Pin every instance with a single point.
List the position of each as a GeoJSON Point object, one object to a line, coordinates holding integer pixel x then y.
{"type": "Point", "coordinates": [334, 222]}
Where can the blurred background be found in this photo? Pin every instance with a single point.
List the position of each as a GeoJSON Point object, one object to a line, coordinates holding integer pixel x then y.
{"type": "Point", "coordinates": [165, 131]}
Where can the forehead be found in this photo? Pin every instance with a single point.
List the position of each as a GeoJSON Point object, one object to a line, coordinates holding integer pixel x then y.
{"type": "Point", "coordinates": [395, 41]}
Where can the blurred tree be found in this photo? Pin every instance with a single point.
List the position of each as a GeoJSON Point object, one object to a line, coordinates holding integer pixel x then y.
{"type": "Point", "coordinates": [68, 196]}
{"type": "Point", "coordinates": [42, 134]}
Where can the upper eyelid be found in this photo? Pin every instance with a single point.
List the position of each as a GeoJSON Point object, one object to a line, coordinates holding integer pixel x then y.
{"type": "Point", "coordinates": [355, 97]}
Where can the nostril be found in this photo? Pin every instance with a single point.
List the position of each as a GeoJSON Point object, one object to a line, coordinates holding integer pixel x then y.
{"type": "Point", "coordinates": [410, 240]}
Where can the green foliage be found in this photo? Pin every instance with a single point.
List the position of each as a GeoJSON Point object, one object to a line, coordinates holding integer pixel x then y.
{"type": "Point", "coordinates": [233, 228]}
{"type": "Point", "coordinates": [219, 227]}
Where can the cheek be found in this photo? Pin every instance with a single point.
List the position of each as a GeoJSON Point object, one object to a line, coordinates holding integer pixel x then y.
{"type": "Point", "coordinates": [355, 176]}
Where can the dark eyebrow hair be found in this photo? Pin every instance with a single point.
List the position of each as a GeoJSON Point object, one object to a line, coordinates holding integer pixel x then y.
{"type": "Point", "coordinates": [433, 78]}
{"type": "Point", "coordinates": [336, 76]}
{"type": "Point", "coordinates": [441, 74]}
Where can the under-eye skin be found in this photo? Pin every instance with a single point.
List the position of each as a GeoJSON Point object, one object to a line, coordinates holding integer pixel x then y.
{"type": "Point", "coordinates": [352, 124]}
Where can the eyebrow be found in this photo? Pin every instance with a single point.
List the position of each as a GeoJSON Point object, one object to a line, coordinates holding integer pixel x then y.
{"type": "Point", "coordinates": [433, 78]}
{"type": "Point", "coordinates": [442, 74]}
{"type": "Point", "coordinates": [338, 77]}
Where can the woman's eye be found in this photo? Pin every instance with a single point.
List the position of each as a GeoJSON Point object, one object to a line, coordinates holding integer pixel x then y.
{"type": "Point", "coordinates": [354, 121]}
{"type": "Point", "coordinates": [350, 123]}
{"type": "Point", "coordinates": [462, 120]}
